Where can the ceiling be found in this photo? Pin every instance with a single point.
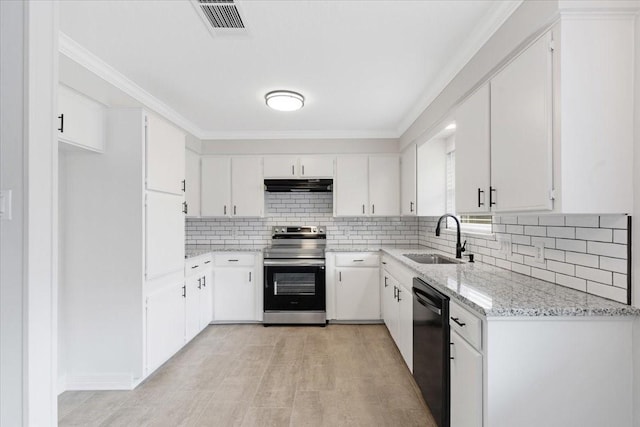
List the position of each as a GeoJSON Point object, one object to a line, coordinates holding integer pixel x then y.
{"type": "Point", "coordinates": [366, 68]}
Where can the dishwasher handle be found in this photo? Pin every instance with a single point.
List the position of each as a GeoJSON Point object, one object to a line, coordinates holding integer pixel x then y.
{"type": "Point", "coordinates": [425, 302]}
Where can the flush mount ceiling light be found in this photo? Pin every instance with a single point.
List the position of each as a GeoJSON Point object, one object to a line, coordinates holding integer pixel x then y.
{"type": "Point", "coordinates": [284, 100]}
{"type": "Point", "coordinates": [451, 126]}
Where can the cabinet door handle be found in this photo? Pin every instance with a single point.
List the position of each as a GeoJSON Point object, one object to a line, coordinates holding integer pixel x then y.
{"type": "Point", "coordinates": [399, 299]}
{"type": "Point", "coordinates": [410, 206]}
{"type": "Point", "coordinates": [225, 209]}
{"type": "Point", "coordinates": [249, 276]}
{"type": "Point", "coordinates": [373, 209]}
{"type": "Point", "coordinates": [339, 276]}
{"type": "Point", "coordinates": [61, 128]}
{"type": "Point", "coordinates": [185, 207]}
{"type": "Point", "coordinates": [491, 190]}
{"type": "Point", "coordinates": [385, 281]}
{"type": "Point", "coordinates": [479, 193]}
{"type": "Point", "coordinates": [395, 292]}
{"type": "Point", "coordinates": [184, 185]}
{"type": "Point", "coordinates": [200, 283]}
{"type": "Point", "coordinates": [234, 209]}
{"type": "Point", "coordinates": [363, 209]}
{"type": "Point", "coordinates": [204, 281]}
{"type": "Point", "coordinates": [195, 266]}
{"type": "Point", "coordinates": [358, 260]}
{"type": "Point", "coordinates": [302, 170]}
{"type": "Point", "coordinates": [293, 170]}
{"type": "Point", "coordinates": [207, 262]}
{"type": "Point", "coordinates": [184, 291]}
{"type": "Point", "coordinates": [457, 320]}
{"type": "Point", "coordinates": [232, 260]}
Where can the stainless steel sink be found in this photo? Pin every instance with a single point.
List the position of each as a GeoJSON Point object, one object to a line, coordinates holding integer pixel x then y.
{"type": "Point", "coordinates": [431, 259]}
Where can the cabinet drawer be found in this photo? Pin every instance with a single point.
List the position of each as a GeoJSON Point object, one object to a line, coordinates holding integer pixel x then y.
{"type": "Point", "coordinates": [234, 259]}
{"type": "Point", "coordinates": [197, 264]}
{"type": "Point", "coordinates": [357, 259]}
{"type": "Point", "coordinates": [466, 324]}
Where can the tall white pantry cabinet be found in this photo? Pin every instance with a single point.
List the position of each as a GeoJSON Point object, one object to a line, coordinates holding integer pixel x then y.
{"type": "Point", "coordinates": [122, 254]}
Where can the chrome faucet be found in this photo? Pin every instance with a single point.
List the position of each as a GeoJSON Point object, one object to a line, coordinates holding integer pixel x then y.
{"type": "Point", "coordinates": [459, 248]}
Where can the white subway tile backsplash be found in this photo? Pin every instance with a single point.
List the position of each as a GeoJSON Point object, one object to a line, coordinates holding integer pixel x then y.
{"type": "Point", "coordinates": [561, 267]}
{"type": "Point", "coordinates": [582, 259]}
{"type": "Point", "coordinates": [597, 234]}
{"type": "Point", "coordinates": [582, 220]}
{"type": "Point", "coordinates": [620, 236]}
{"type": "Point", "coordinates": [594, 274]}
{"type": "Point", "coordinates": [571, 245]}
{"type": "Point", "coordinates": [562, 232]}
{"type": "Point", "coordinates": [578, 248]}
{"type": "Point", "coordinates": [606, 291]}
{"type": "Point", "coordinates": [571, 282]}
{"type": "Point", "coordinates": [613, 264]}
{"type": "Point", "coordinates": [607, 249]}
{"type": "Point", "coordinates": [555, 220]}
{"type": "Point", "coordinates": [531, 230]}
{"type": "Point", "coordinates": [614, 221]}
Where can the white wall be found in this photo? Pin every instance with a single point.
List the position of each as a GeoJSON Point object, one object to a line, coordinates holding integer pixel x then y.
{"type": "Point", "coordinates": [300, 146]}
{"type": "Point", "coordinates": [635, 274]}
{"type": "Point", "coordinates": [28, 246]}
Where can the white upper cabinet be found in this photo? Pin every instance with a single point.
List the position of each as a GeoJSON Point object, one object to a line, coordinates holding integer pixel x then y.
{"type": "Point", "coordinates": [384, 185]}
{"type": "Point", "coordinates": [521, 133]}
{"type": "Point", "coordinates": [408, 195]}
{"type": "Point", "coordinates": [351, 188]}
{"type": "Point", "coordinates": [192, 183]}
{"type": "Point", "coordinates": [298, 167]}
{"type": "Point", "coordinates": [316, 166]}
{"type": "Point", "coordinates": [432, 175]}
{"type": "Point", "coordinates": [367, 185]}
{"type": "Point", "coordinates": [165, 148]}
{"type": "Point", "coordinates": [81, 121]}
{"type": "Point", "coordinates": [215, 186]}
{"type": "Point", "coordinates": [247, 187]}
{"type": "Point", "coordinates": [232, 187]}
{"type": "Point", "coordinates": [473, 153]}
{"type": "Point", "coordinates": [281, 167]}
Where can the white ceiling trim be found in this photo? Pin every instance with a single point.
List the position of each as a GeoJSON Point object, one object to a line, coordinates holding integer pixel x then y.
{"type": "Point", "coordinates": [307, 134]}
{"type": "Point", "coordinates": [78, 53]}
{"type": "Point", "coordinates": [475, 41]}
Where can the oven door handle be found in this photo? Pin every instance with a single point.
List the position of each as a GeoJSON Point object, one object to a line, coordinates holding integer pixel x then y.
{"type": "Point", "coordinates": [294, 262]}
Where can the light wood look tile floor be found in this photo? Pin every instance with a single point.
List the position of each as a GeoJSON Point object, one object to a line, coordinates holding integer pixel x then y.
{"type": "Point", "coordinates": [249, 375]}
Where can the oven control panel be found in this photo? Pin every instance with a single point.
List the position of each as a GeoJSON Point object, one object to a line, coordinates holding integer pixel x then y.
{"type": "Point", "coordinates": [297, 230]}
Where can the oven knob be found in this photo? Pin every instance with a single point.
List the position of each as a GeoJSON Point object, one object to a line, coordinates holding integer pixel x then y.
{"type": "Point", "coordinates": [282, 229]}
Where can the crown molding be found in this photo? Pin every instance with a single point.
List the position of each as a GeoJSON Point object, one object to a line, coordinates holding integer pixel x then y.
{"type": "Point", "coordinates": [306, 134]}
{"type": "Point", "coordinates": [78, 53]}
{"type": "Point", "coordinates": [476, 39]}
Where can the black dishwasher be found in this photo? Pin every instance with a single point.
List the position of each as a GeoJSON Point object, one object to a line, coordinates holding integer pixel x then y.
{"type": "Point", "coordinates": [431, 365]}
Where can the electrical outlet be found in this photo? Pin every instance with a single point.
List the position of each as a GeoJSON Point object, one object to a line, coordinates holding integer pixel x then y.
{"type": "Point", "coordinates": [539, 252]}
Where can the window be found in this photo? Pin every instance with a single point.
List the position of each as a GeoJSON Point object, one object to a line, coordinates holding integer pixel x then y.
{"type": "Point", "coordinates": [469, 223]}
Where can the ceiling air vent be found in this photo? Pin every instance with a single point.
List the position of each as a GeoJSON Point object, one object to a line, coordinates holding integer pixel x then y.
{"type": "Point", "coordinates": [220, 16]}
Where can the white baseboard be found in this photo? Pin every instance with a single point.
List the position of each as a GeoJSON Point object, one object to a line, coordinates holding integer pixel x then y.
{"type": "Point", "coordinates": [99, 382]}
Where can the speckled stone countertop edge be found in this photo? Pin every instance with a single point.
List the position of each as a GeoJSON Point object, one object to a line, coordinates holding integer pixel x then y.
{"type": "Point", "coordinates": [553, 300]}
{"type": "Point", "coordinates": [192, 251]}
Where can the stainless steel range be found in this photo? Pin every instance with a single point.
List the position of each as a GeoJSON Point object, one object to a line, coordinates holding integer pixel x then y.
{"type": "Point", "coordinates": [294, 276]}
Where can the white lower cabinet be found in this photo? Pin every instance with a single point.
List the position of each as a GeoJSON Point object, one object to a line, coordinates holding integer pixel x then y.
{"type": "Point", "coordinates": [165, 316]}
{"type": "Point", "coordinates": [198, 295]}
{"type": "Point", "coordinates": [466, 383]}
{"type": "Point", "coordinates": [397, 306]}
{"type": "Point", "coordinates": [235, 287]}
{"type": "Point", "coordinates": [357, 286]}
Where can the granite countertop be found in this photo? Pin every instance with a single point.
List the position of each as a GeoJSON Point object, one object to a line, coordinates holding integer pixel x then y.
{"type": "Point", "coordinates": [494, 292]}
{"type": "Point", "coordinates": [197, 250]}
{"type": "Point", "coordinates": [489, 291]}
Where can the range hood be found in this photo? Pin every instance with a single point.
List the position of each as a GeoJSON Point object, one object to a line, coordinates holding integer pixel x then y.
{"type": "Point", "coordinates": [298, 185]}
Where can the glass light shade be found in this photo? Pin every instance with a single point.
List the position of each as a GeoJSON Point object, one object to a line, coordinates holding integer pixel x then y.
{"type": "Point", "coordinates": [284, 100]}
